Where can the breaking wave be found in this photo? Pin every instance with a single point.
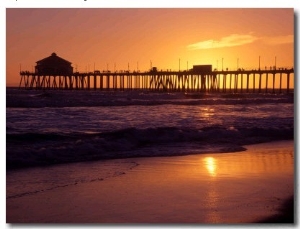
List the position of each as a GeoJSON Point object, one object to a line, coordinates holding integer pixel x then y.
{"type": "Point", "coordinates": [37, 149]}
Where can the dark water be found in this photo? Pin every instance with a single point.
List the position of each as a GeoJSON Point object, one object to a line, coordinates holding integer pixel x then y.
{"type": "Point", "coordinates": [52, 127]}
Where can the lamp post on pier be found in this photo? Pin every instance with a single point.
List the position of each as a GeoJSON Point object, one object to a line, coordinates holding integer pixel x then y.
{"type": "Point", "coordinates": [222, 63]}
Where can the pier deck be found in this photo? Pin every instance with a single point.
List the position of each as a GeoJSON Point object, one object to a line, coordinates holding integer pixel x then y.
{"type": "Point", "coordinates": [189, 81]}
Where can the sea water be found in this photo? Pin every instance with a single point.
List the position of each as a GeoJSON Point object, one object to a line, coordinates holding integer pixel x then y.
{"type": "Point", "coordinates": [64, 128]}
{"type": "Point", "coordinates": [51, 127]}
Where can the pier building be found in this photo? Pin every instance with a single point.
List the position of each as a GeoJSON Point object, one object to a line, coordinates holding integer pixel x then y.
{"type": "Point", "coordinates": [53, 65]}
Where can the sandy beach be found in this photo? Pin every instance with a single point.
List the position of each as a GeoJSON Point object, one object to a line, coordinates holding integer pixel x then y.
{"type": "Point", "coordinates": [202, 189]}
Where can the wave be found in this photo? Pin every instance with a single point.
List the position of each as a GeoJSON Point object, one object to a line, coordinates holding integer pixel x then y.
{"type": "Point", "coordinates": [40, 99]}
{"type": "Point", "coordinates": [39, 149]}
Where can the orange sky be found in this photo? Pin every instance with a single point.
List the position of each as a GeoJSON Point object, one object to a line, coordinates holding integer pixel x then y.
{"type": "Point", "coordinates": [116, 37]}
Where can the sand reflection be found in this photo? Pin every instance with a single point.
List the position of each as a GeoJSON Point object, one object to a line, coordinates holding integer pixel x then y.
{"type": "Point", "coordinates": [213, 206]}
{"type": "Point", "coordinates": [212, 196]}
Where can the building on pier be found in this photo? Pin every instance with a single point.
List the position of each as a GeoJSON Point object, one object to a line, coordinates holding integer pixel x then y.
{"type": "Point", "coordinates": [53, 65]}
{"type": "Point", "coordinates": [202, 69]}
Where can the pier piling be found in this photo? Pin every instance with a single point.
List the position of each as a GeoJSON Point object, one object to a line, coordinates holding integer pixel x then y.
{"type": "Point", "coordinates": [186, 81]}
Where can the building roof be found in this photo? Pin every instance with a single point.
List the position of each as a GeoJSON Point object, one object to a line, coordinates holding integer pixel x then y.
{"type": "Point", "coordinates": [53, 58]}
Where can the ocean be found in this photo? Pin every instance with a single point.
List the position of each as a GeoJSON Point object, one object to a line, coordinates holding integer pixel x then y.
{"type": "Point", "coordinates": [54, 126]}
{"type": "Point", "coordinates": [57, 138]}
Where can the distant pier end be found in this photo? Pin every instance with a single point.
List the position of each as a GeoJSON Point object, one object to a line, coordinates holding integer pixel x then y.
{"type": "Point", "coordinates": [54, 72]}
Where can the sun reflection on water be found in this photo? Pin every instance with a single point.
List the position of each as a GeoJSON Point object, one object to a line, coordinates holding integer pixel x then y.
{"type": "Point", "coordinates": [211, 166]}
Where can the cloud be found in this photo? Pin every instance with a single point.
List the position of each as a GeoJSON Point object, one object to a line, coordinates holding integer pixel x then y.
{"type": "Point", "coordinates": [278, 40]}
{"type": "Point", "coordinates": [238, 40]}
{"type": "Point", "coordinates": [229, 41]}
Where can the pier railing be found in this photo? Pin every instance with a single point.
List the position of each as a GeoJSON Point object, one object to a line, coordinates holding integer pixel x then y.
{"type": "Point", "coordinates": [189, 81]}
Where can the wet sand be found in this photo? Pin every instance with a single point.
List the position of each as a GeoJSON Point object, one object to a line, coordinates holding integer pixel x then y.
{"type": "Point", "coordinates": [285, 215]}
{"type": "Point", "coordinates": [230, 188]}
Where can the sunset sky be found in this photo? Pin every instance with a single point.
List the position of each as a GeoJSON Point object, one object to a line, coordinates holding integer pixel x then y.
{"type": "Point", "coordinates": [167, 38]}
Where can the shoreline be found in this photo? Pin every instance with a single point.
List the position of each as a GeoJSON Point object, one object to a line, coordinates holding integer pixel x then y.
{"type": "Point", "coordinates": [229, 149]}
{"type": "Point", "coordinates": [188, 192]}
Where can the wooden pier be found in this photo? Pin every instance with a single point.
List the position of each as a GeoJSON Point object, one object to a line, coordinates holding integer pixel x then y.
{"type": "Point", "coordinates": [256, 81]}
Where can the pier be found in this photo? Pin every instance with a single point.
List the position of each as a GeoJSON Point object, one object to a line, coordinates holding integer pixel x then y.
{"type": "Point", "coordinates": [256, 81]}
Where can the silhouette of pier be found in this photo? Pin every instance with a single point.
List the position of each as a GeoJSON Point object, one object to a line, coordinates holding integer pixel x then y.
{"type": "Point", "coordinates": [188, 81]}
{"type": "Point", "coordinates": [54, 72]}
